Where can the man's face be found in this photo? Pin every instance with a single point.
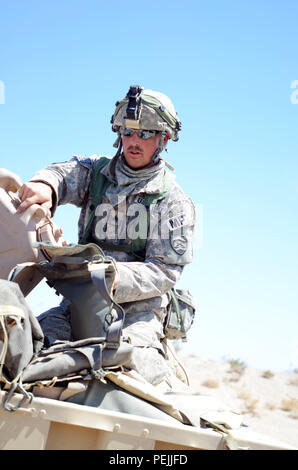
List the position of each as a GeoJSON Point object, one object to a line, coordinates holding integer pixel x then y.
{"type": "Point", "coordinates": [138, 152]}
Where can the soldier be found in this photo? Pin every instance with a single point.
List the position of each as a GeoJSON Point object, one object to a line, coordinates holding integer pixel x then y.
{"type": "Point", "coordinates": [150, 252]}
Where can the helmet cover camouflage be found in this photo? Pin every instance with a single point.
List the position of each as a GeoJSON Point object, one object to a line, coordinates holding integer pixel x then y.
{"type": "Point", "coordinates": [154, 111]}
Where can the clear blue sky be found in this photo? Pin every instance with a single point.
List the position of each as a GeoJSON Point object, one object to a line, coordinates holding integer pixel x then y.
{"type": "Point", "coordinates": [228, 67]}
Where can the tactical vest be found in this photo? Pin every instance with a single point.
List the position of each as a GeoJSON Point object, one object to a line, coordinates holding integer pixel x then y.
{"type": "Point", "coordinates": [181, 308]}
{"type": "Point", "coordinates": [98, 186]}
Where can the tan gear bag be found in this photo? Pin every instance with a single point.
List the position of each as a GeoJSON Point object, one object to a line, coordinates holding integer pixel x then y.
{"type": "Point", "coordinates": [19, 233]}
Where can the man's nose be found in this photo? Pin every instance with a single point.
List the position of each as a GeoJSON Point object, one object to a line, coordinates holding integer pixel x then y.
{"type": "Point", "coordinates": [135, 138]}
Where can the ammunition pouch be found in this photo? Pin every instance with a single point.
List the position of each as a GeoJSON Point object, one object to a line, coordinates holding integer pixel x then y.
{"type": "Point", "coordinates": [180, 314]}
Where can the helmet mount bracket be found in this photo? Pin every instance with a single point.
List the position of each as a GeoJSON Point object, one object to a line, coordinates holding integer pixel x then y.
{"type": "Point", "coordinates": [134, 103]}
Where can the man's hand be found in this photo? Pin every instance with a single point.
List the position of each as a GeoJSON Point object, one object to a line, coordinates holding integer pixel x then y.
{"type": "Point", "coordinates": [34, 193]}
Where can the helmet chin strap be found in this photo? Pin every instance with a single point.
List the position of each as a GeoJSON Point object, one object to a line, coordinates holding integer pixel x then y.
{"type": "Point", "coordinates": [161, 146]}
{"type": "Point", "coordinates": [156, 157]}
{"type": "Point", "coordinates": [116, 157]}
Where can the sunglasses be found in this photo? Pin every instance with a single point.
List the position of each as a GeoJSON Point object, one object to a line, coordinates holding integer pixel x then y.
{"type": "Point", "coordinates": [143, 134]}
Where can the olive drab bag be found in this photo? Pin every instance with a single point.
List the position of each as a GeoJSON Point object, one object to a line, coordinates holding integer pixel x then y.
{"type": "Point", "coordinates": [84, 276]}
{"type": "Point", "coordinates": [20, 338]}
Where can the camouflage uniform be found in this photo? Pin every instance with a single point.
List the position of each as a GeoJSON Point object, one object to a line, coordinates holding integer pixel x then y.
{"type": "Point", "coordinates": [143, 284]}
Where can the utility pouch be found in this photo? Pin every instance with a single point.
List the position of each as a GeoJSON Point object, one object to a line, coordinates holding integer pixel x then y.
{"type": "Point", "coordinates": [20, 333]}
{"type": "Point", "coordinates": [180, 314]}
{"type": "Point", "coordinates": [20, 338]}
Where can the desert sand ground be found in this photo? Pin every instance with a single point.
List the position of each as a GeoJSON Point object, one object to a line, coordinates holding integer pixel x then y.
{"type": "Point", "coordinates": [268, 401]}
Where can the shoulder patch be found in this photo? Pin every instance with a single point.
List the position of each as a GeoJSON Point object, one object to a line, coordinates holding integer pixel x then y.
{"type": "Point", "coordinates": [178, 243]}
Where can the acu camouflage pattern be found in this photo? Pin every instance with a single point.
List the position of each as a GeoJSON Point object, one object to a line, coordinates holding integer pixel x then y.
{"type": "Point", "coordinates": [143, 285]}
{"type": "Point", "coordinates": [157, 113]}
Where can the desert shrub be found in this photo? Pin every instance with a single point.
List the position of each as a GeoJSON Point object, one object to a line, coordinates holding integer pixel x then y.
{"type": "Point", "coordinates": [267, 374]}
{"type": "Point", "coordinates": [238, 366]}
{"type": "Point", "coordinates": [250, 403]}
{"type": "Point", "coordinates": [290, 405]}
{"type": "Point", "coordinates": [210, 383]}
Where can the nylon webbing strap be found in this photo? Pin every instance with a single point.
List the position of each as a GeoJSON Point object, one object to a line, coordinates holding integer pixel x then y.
{"type": "Point", "coordinates": [178, 311]}
{"type": "Point", "coordinates": [115, 328]}
{"type": "Point", "coordinates": [98, 187]}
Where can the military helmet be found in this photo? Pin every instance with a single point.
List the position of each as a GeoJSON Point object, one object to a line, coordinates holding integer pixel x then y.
{"type": "Point", "coordinates": [148, 110]}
